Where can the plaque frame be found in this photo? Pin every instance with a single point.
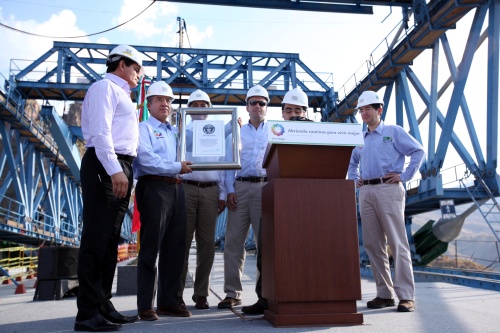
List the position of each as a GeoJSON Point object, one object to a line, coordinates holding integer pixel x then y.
{"type": "Point", "coordinates": [231, 164]}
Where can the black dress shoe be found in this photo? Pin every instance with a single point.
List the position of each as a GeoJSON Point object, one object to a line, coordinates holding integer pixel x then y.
{"type": "Point", "coordinates": [180, 302]}
{"type": "Point", "coordinates": [254, 309]}
{"type": "Point", "coordinates": [117, 318]}
{"type": "Point", "coordinates": [96, 324]}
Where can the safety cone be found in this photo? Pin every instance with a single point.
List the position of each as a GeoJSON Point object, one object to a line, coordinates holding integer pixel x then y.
{"type": "Point", "coordinates": [20, 289]}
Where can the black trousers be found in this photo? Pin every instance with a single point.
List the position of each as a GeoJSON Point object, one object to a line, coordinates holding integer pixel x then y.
{"type": "Point", "coordinates": [163, 235]}
{"type": "Point", "coordinates": [103, 215]}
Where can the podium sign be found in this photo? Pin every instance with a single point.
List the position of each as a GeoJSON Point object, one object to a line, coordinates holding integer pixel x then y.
{"type": "Point", "coordinates": [312, 133]}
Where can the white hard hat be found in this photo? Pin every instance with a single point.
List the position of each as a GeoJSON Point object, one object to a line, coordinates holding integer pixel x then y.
{"type": "Point", "coordinates": [257, 91]}
{"type": "Point", "coordinates": [199, 95]}
{"type": "Point", "coordinates": [160, 88]}
{"type": "Point", "coordinates": [126, 52]}
{"type": "Point", "coordinates": [369, 97]}
{"type": "Point", "coordinates": [296, 97]}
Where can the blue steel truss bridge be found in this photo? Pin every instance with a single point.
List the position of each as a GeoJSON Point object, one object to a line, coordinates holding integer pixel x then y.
{"type": "Point", "coordinates": [40, 198]}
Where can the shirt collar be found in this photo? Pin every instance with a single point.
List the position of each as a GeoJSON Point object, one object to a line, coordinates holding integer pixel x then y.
{"type": "Point", "coordinates": [156, 123]}
{"type": "Point", "coordinates": [379, 129]}
{"type": "Point", "coordinates": [118, 81]}
{"type": "Point", "coordinates": [261, 124]}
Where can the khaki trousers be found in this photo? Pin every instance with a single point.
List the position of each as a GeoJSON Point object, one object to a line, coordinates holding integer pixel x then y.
{"type": "Point", "coordinates": [201, 209]}
{"type": "Point", "coordinates": [382, 220]}
{"type": "Point", "coordinates": [248, 213]}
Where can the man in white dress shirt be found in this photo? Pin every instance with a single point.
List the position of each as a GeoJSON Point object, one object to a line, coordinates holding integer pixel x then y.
{"type": "Point", "coordinates": [109, 126]}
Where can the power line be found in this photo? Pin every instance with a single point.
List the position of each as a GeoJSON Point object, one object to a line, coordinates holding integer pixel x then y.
{"type": "Point", "coordinates": [65, 37]}
{"type": "Point", "coordinates": [45, 5]}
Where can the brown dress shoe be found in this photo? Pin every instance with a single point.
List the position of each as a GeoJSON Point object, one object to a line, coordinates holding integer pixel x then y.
{"type": "Point", "coordinates": [406, 305]}
{"type": "Point", "coordinates": [228, 302]}
{"type": "Point", "coordinates": [173, 310]}
{"type": "Point", "coordinates": [148, 315]}
{"type": "Point", "coordinates": [379, 303]}
{"type": "Point", "coordinates": [201, 302]}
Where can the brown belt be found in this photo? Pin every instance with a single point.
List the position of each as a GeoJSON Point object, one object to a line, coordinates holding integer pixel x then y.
{"type": "Point", "coordinates": [375, 181]}
{"type": "Point", "coordinates": [166, 179]}
{"type": "Point", "coordinates": [199, 184]}
{"type": "Point", "coordinates": [252, 179]}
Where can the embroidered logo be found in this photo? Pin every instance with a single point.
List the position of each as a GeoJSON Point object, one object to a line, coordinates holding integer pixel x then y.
{"type": "Point", "coordinates": [158, 134]}
{"type": "Point", "coordinates": [387, 139]}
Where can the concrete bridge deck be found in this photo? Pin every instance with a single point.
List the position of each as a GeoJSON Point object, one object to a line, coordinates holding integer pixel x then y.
{"type": "Point", "coordinates": [440, 307]}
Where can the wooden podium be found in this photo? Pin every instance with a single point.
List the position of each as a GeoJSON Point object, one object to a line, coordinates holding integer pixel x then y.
{"type": "Point", "coordinates": [310, 254]}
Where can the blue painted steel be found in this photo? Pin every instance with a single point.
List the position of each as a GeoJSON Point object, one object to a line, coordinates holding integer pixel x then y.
{"type": "Point", "coordinates": [224, 75]}
{"type": "Point", "coordinates": [463, 105]}
{"type": "Point", "coordinates": [493, 99]}
{"type": "Point", "coordinates": [459, 86]}
{"type": "Point", "coordinates": [410, 109]}
{"type": "Point", "coordinates": [431, 147]}
{"type": "Point", "coordinates": [47, 204]}
{"type": "Point", "coordinates": [65, 140]}
{"type": "Point", "coordinates": [338, 6]}
{"type": "Point", "coordinates": [5, 273]}
{"type": "Point", "coordinates": [480, 280]}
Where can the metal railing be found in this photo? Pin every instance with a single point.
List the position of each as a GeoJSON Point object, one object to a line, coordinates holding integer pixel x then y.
{"type": "Point", "coordinates": [41, 225]}
{"type": "Point", "coordinates": [17, 263]}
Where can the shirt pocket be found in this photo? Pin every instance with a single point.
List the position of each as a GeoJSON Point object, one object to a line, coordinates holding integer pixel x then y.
{"type": "Point", "coordinates": [387, 152]}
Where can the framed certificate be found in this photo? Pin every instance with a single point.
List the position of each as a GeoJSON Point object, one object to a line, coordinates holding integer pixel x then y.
{"type": "Point", "coordinates": [209, 137]}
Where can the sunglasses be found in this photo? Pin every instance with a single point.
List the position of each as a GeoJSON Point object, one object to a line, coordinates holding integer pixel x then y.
{"type": "Point", "coordinates": [254, 103]}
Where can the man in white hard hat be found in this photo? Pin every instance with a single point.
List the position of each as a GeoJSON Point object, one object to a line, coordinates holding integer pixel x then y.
{"type": "Point", "coordinates": [378, 169]}
{"type": "Point", "coordinates": [205, 199]}
{"type": "Point", "coordinates": [244, 199]}
{"type": "Point", "coordinates": [295, 104]}
{"type": "Point", "coordinates": [106, 178]}
{"type": "Point", "coordinates": [162, 208]}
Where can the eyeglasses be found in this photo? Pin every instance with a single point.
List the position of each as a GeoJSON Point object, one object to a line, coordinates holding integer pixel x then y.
{"type": "Point", "coordinates": [254, 103]}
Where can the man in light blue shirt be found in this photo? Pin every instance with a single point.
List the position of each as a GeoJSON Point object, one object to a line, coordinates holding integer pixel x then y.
{"type": "Point", "coordinates": [162, 208]}
{"type": "Point", "coordinates": [244, 199]}
{"type": "Point", "coordinates": [378, 169]}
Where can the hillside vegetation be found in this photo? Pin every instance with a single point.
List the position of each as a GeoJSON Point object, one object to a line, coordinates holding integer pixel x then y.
{"type": "Point", "coordinates": [452, 262]}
